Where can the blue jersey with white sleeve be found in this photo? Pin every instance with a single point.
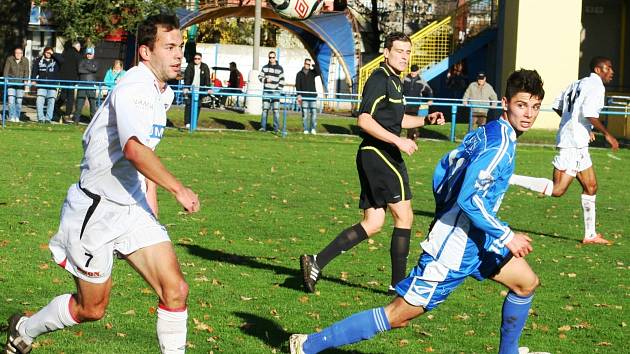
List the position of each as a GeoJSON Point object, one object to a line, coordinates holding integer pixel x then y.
{"type": "Point", "coordinates": [468, 185]}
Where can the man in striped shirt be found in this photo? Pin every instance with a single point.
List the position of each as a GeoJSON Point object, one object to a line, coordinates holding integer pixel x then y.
{"type": "Point", "coordinates": [272, 77]}
{"type": "Point", "coordinates": [466, 237]}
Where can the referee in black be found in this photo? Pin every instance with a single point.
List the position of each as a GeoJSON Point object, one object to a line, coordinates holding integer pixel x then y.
{"type": "Point", "coordinates": [382, 171]}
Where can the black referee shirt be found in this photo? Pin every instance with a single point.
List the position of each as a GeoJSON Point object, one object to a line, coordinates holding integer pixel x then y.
{"type": "Point", "coordinates": [383, 100]}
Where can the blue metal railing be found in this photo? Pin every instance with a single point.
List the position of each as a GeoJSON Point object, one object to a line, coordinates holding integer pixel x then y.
{"type": "Point", "coordinates": [617, 105]}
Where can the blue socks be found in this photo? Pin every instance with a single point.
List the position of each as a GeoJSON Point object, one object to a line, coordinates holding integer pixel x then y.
{"type": "Point", "coordinates": [514, 316]}
{"type": "Point", "coordinates": [360, 326]}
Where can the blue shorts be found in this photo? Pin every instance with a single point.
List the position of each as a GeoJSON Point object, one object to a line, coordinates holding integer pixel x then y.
{"type": "Point", "coordinates": [429, 283]}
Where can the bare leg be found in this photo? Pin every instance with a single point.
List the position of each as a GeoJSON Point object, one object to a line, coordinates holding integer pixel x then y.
{"type": "Point", "coordinates": [158, 265]}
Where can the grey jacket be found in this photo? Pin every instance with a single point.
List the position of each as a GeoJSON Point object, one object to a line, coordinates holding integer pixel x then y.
{"type": "Point", "coordinates": [482, 93]}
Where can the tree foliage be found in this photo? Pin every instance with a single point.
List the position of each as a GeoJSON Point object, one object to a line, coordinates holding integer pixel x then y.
{"type": "Point", "coordinates": [93, 19]}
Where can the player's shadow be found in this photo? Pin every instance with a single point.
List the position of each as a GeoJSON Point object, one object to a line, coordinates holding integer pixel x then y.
{"type": "Point", "coordinates": [270, 332]}
{"type": "Point", "coordinates": [294, 281]}
{"type": "Point", "coordinates": [229, 124]}
{"type": "Point", "coordinates": [336, 129]}
{"type": "Point", "coordinates": [424, 213]}
{"type": "Point", "coordinates": [530, 232]}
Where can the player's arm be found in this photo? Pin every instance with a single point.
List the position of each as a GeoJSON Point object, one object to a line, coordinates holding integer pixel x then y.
{"type": "Point", "coordinates": [614, 144]}
{"type": "Point", "coordinates": [591, 106]}
{"type": "Point", "coordinates": [473, 199]}
{"type": "Point", "coordinates": [410, 121]}
{"type": "Point", "coordinates": [372, 127]}
{"type": "Point", "coordinates": [146, 162]}
{"type": "Point", "coordinates": [152, 196]}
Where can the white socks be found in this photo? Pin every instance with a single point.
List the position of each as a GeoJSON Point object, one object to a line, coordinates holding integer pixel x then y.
{"type": "Point", "coordinates": [588, 207]}
{"type": "Point", "coordinates": [171, 330]}
{"type": "Point", "coordinates": [56, 315]}
{"type": "Point", "coordinates": [540, 185]}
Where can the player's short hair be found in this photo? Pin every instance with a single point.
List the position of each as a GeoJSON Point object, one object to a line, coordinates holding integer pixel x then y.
{"type": "Point", "coordinates": [524, 80]}
{"type": "Point", "coordinates": [597, 61]}
{"type": "Point", "coordinates": [414, 67]}
{"type": "Point", "coordinates": [147, 30]}
{"type": "Point", "coordinates": [395, 36]}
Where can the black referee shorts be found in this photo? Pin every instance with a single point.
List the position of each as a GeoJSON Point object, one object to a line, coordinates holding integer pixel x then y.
{"type": "Point", "coordinates": [383, 179]}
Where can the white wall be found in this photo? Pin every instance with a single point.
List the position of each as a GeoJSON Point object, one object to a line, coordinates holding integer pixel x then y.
{"type": "Point", "coordinates": [291, 60]}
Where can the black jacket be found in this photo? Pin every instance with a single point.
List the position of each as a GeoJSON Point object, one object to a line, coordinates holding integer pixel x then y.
{"type": "Point", "coordinates": [306, 82]}
{"type": "Point", "coordinates": [204, 79]}
{"type": "Point", "coordinates": [88, 69]}
{"type": "Point", "coordinates": [70, 67]}
{"type": "Point", "coordinates": [235, 79]}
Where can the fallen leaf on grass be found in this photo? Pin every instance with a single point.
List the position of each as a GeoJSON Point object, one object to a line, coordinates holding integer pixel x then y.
{"type": "Point", "coordinates": [403, 343]}
{"type": "Point", "coordinates": [344, 275]}
{"type": "Point", "coordinates": [43, 266]}
{"type": "Point", "coordinates": [303, 299]}
{"type": "Point", "coordinates": [603, 344]}
{"type": "Point", "coordinates": [120, 334]}
{"type": "Point", "coordinates": [108, 325]}
{"type": "Point", "coordinates": [202, 326]}
{"type": "Point", "coordinates": [564, 328]}
{"type": "Point", "coordinates": [245, 298]}
{"type": "Point", "coordinates": [130, 312]}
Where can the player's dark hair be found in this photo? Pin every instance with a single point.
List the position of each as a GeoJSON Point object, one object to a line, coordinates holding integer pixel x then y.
{"type": "Point", "coordinates": [524, 81]}
{"type": "Point", "coordinates": [395, 36]}
{"type": "Point", "coordinates": [199, 54]}
{"type": "Point", "coordinates": [147, 30]}
{"type": "Point", "coordinates": [597, 61]}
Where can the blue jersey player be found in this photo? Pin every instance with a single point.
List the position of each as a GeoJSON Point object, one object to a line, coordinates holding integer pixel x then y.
{"type": "Point", "coordinates": [466, 237]}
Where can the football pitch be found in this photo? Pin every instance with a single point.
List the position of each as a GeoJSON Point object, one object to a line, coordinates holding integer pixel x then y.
{"type": "Point", "coordinates": [267, 200]}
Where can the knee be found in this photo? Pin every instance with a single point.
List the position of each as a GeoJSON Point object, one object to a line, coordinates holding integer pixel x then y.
{"type": "Point", "coordinates": [372, 228]}
{"type": "Point", "coordinates": [558, 191]}
{"type": "Point", "coordinates": [590, 188]}
{"type": "Point", "coordinates": [403, 218]}
{"type": "Point", "coordinates": [174, 296]}
{"type": "Point", "coordinates": [91, 313]}
{"type": "Point", "coordinates": [527, 288]}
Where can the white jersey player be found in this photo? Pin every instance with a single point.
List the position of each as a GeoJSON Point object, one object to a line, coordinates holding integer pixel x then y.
{"type": "Point", "coordinates": [579, 106]}
{"type": "Point", "coordinates": [113, 208]}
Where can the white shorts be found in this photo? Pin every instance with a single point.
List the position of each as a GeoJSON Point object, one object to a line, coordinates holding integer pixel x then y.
{"type": "Point", "coordinates": [572, 160]}
{"type": "Point", "coordinates": [93, 228]}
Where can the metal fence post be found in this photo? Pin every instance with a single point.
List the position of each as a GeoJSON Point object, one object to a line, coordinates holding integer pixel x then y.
{"type": "Point", "coordinates": [5, 87]}
{"type": "Point", "coordinates": [453, 121]}
{"type": "Point", "coordinates": [194, 109]}
{"type": "Point", "coordinates": [284, 117]}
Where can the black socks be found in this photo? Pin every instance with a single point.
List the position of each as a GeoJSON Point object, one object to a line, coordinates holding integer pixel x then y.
{"type": "Point", "coordinates": [347, 239]}
{"type": "Point", "coordinates": [399, 250]}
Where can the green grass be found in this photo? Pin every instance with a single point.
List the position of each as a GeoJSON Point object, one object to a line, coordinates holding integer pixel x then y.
{"type": "Point", "coordinates": [266, 200]}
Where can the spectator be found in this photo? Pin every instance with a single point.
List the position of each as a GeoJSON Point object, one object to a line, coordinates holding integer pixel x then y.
{"type": "Point", "coordinates": [236, 82]}
{"type": "Point", "coordinates": [415, 86]}
{"type": "Point", "coordinates": [196, 75]}
{"type": "Point", "coordinates": [305, 86]}
{"type": "Point", "coordinates": [114, 74]}
{"type": "Point", "coordinates": [16, 66]}
{"type": "Point", "coordinates": [46, 68]}
{"type": "Point", "coordinates": [456, 81]}
{"type": "Point", "coordinates": [482, 91]}
{"type": "Point", "coordinates": [70, 72]}
{"type": "Point", "coordinates": [272, 77]}
{"type": "Point", "coordinates": [88, 68]}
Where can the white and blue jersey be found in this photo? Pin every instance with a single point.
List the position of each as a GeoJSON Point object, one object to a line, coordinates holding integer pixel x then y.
{"type": "Point", "coordinates": [466, 237]}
